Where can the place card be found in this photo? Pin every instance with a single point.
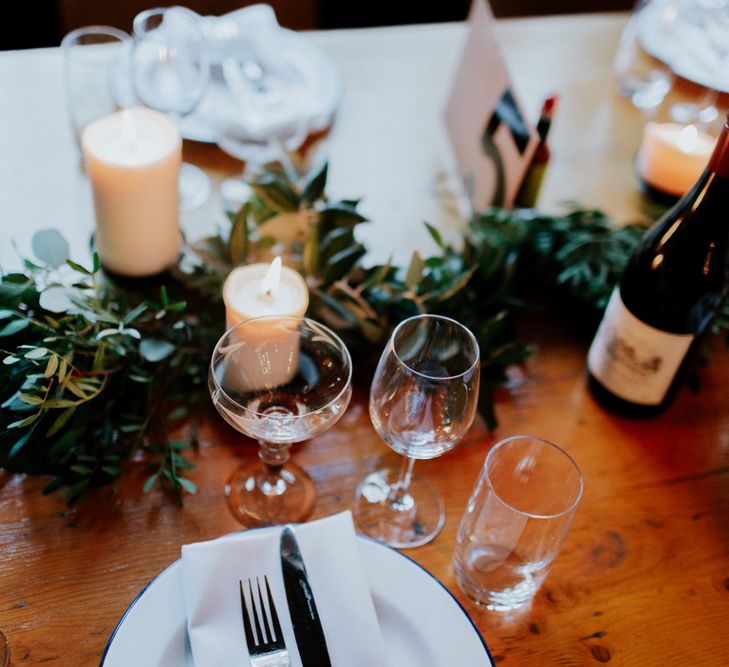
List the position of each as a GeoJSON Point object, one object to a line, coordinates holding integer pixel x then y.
{"type": "Point", "coordinates": [491, 138]}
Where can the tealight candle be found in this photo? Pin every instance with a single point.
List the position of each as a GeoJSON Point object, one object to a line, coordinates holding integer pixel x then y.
{"type": "Point", "coordinates": [672, 156]}
{"type": "Point", "coordinates": [133, 160]}
{"type": "Point", "coordinates": [268, 353]}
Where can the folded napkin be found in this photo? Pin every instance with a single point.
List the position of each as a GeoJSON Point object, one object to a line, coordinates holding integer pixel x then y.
{"type": "Point", "coordinates": [211, 572]}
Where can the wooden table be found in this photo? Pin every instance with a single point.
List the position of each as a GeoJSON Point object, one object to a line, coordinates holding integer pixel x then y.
{"type": "Point", "coordinates": [643, 577]}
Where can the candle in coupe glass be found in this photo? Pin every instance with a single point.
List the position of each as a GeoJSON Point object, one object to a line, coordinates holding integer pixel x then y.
{"type": "Point", "coordinates": [262, 289]}
{"type": "Point", "coordinates": [672, 156]}
{"type": "Point", "coordinates": [259, 290]}
{"type": "Point", "coordinates": [133, 160]}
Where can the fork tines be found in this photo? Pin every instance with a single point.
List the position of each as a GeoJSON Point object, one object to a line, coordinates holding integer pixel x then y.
{"type": "Point", "coordinates": [268, 638]}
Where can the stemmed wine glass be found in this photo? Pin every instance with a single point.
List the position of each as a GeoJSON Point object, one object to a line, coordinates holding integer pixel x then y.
{"type": "Point", "coordinates": [170, 75]}
{"type": "Point", "coordinates": [279, 380]}
{"type": "Point", "coordinates": [422, 401]}
{"type": "Point", "coordinates": [267, 119]}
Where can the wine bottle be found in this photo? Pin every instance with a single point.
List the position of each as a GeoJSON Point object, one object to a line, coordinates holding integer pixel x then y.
{"type": "Point", "coordinates": [671, 289]}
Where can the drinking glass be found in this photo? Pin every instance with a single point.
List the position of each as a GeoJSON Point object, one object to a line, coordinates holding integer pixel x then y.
{"type": "Point", "coordinates": [515, 521]}
{"type": "Point", "coordinates": [267, 115]}
{"type": "Point", "coordinates": [95, 73]}
{"type": "Point", "coordinates": [644, 80]}
{"type": "Point", "coordinates": [279, 380]}
{"type": "Point", "coordinates": [422, 401]}
{"type": "Point", "coordinates": [170, 75]}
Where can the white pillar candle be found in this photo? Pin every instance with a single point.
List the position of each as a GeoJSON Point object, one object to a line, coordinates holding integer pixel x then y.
{"type": "Point", "coordinates": [672, 156]}
{"type": "Point", "coordinates": [133, 160]}
{"type": "Point", "coordinates": [266, 354]}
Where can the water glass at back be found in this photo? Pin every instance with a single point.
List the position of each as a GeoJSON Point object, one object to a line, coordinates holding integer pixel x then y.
{"type": "Point", "coordinates": [641, 78]}
{"type": "Point", "coordinates": [515, 521]}
{"type": "Point", "coordinates": [96, 61]}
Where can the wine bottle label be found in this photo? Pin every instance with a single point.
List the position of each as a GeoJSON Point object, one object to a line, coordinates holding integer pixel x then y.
{"type": "Point", "coordinates": [633, 360]}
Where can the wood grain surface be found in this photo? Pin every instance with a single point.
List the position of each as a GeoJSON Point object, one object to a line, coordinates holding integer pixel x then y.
{"type": "Point", "coordinates": [642, 578]}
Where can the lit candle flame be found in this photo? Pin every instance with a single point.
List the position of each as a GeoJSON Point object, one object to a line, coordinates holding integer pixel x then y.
{"type": "Point", "coordinates": [688, 138]}
{"type": "Point", "coordinates": [270, 281]}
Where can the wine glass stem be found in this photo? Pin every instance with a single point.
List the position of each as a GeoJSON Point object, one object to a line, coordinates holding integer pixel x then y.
{"type": "Point", "coordinates": [399, 498]}
{"type": "Point", "coordinates": [273, 455]}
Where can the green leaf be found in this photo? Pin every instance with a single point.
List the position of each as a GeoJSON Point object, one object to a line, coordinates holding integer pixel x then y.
{"type": "Point", "coordinates": [19, 444]}
{"type": "Point", "coordinates": [277, 196]}
{"type": "Point", "coordinates": [14, 327]}
{"type": "Point", "coordinates": [134, 314]}
{"type": "Point", "coordinates": [30, 399]}
{"type": "Point", "coordinates": [415, 271]}
{"type": "Point", "coordinates": [96, 262]}
{"type": "Point", "coordinates": [61, 421]}
{"type": "Point", "coordinates": [24, 422]}
{"type": "Point", "coordinates": [238, 242]}
{"type": "Point", "coordinates": [163, 296]}
{"type": "Point", "coordinates": [149, 482]}
{"type": "Point", "coordinates": [37, 353]}
{"type": "Point", "coordinates": [73, 495]}
{"type": "Point", "coordinates": [155, 350]}
{"type": "Point", "coordinates": [436, 236]}
{"type": "Point", "coordinates": [178, 413]}
{"type": "Point", "coordinates": [57, 299]}
{"type": "Point", "coordinates": [314, 188]}
{"type": "Point", "coordinates": [77, 267]}
{"type": "Point", "coordinates": [55, 484]}
{"type": "Point", "coordinates": [187, 485]}
{"type": "Point", "coordinates": [50, 247]}
{"type": "Point", "coordinates": [5, 314]}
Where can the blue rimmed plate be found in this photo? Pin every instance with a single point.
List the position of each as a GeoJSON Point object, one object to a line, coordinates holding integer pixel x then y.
{"type": "Point", "coordinates": [422, 624]}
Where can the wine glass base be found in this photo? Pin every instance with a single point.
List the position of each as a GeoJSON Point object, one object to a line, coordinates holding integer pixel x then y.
{"type": "Point", "coordinates": [256, 498]}
{"type": "Point", "coordinates": [411, 523]}
{"type": "Point", "coordinates": [193, 187]}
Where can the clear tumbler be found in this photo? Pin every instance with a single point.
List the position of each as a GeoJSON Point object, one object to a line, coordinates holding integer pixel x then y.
{"type": "Point", "coordinates": [515, 521]}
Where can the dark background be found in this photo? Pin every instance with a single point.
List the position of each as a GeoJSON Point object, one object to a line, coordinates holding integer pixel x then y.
{"type": "Point", "coordinates": [38, 23]}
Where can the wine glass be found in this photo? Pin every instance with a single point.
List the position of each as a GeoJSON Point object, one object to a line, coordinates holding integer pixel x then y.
{"type": "Point", "coordinates": [280, 380]}
{"type": "Point", "coordinates": [170, 75]}
{"type": "Point", "coordinates": [422, 401]}
{"type": "Point", "coordinates": [266, 117]}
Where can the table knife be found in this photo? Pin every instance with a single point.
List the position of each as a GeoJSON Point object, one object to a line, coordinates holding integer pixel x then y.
{"type": "Point", "coordinates": [302, 608]}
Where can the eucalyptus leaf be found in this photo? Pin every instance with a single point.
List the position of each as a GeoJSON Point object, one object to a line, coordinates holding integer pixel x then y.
{"type": "Point", "coordinates": [13, 328]}
{"type": "Point", "coordinates": [57, 299]}
{"type": "Point", "coordinates": [155, 350]}
{"type": "Point", "coordinates": [50, 247]}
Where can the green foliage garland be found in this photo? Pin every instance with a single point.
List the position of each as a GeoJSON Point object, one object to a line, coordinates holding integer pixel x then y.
{"type": "Point", "coordinates": [94, 373]}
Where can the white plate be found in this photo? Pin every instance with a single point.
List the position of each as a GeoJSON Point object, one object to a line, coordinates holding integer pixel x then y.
{"type": "Point", "coordinates": [422, 624]}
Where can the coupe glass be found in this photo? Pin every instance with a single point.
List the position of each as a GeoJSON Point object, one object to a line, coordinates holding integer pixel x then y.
{"type": "Point", "coordinates": [170, 75]}
{"type": "Point", "coordinates": [279, 380]}
{"type": "Point", "coordinates": [422, 401]}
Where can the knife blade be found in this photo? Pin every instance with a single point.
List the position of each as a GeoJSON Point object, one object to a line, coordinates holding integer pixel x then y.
{"type": "Point", "coordinates": [308, 631]}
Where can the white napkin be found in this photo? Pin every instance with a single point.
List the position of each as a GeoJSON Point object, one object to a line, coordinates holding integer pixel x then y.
{"type": "Point", "coordinates": [211, 571]}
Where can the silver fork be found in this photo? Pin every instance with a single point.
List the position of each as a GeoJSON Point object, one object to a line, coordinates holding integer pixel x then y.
{"type": "Point", "coordinates": [266, 648]}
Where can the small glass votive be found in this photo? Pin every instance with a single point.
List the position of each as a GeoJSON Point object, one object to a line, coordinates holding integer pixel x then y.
{"type": "Point", "coordinates": [515, 521]}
